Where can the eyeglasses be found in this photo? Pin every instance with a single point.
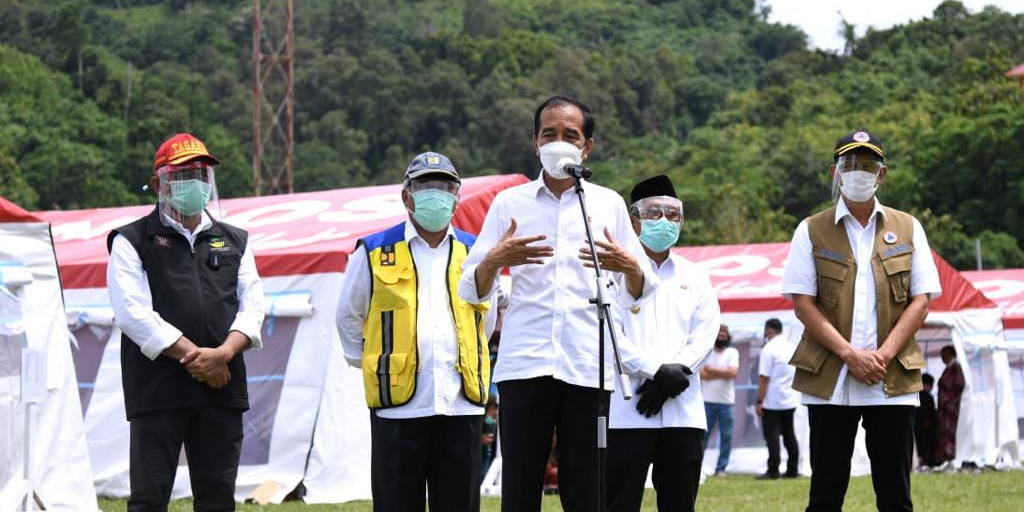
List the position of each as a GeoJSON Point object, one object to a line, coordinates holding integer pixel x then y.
{"type": "Point", "coordinates": [671, 213]}
{"type": "Point", "coordinates": [450, 186]}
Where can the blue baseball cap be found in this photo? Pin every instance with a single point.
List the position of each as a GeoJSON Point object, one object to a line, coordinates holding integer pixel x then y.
{"type": "Point", "coordinates": [431, 163]}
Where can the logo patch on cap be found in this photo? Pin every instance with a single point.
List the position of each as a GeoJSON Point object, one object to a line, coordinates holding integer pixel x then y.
{"type": "Point", "coordinates": [861, 137]}
{"type": "Point", "coordinates": [433, 160]}
{"type": "Point", "coordinates": [889, 237]}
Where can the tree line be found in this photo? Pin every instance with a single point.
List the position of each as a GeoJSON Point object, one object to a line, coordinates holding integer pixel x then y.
{"type": "Point", "coordinates": [740, 112]}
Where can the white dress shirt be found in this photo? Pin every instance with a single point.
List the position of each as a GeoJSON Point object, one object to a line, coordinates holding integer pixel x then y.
{"type": "Point", "coordinates": [132, 301]}
{"type": "Point", "coordinates": [800, 277]}
{"type": "Point", "coordinates": [550, 327]}
{"type": "Point", "coordinates": [679, 323]}
{"type": "Point", "coordinates": [438, 385]}
{"type": "Point", "coordinates": [774, 364]}
{"type": "Point", "coordinates": [721, 391]}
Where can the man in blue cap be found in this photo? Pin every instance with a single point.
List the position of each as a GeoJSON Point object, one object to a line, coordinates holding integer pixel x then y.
{"type": "Point", "coordinates": [423, 351]}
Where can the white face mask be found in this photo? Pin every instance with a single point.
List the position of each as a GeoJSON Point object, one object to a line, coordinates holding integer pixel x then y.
{"type": "Point", "coordinates": [858, 186]}
{"type": "Point", "coordinates": [552, 154]}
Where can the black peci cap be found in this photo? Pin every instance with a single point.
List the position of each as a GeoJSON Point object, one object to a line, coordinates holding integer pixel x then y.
{"type": "Point", "coordinates": [655, 186]}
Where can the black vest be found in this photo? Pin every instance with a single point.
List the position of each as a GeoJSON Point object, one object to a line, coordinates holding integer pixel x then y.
{"type": "Point", "coordinates": [195, 291]}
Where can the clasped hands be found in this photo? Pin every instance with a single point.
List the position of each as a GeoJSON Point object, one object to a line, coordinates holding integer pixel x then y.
{"type": "Point", "coordinates": [208, 365]}
{"type": "Point", "coordinates": [669, 381]}
{"type": "Point", "coordinates": [867, 366]}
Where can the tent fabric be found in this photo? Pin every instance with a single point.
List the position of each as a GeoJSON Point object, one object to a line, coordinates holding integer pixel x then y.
{"type": "Point", "coordinates": [10, 212]}
{"type": "Point", "coordinates": [749, 277]}
{"type": "Point", "coordinates": [1006, 288]}
{"type": "Point", "coordinates": [291, 234]}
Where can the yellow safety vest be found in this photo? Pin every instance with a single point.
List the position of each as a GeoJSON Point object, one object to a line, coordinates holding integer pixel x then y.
{"type": "Point", "coordinates": [390, 355]}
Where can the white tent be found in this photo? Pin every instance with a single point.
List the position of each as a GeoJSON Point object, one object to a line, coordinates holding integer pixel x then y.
{"type": "Point", "coordinates": [308, 421]}
{"type": "Point", "coordinates": [32, 325]}
{"type": "Point", "coordinates": [747, 282]}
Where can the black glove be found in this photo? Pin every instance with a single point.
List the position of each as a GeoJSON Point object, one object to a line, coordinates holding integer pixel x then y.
{"type": "Point", "coordinates": [673, 378]}
{"type": "Point", "coordinates": [652, 398]}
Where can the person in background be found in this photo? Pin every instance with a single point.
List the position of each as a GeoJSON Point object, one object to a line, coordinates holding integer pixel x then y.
{"type": "Point", "coordinates": [951, 387]}
{"type": "Point", "coordinates": [776, 400]}
{"type": "Point", "coordinates": [718, 385]}
{"type": "Point", "coordinates": [188, 300]}
{"type": "Point", "coordinates": [926, 421]}
{"type": "Point", "coordinates": [422, 350]}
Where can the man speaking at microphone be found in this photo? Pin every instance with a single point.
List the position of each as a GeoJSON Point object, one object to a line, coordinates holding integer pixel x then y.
{"type": "Point", "coordinates": [547, 369]}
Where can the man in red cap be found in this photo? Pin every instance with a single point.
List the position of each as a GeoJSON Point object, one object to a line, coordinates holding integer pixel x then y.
{"type": "Point", "coordinates": [188, 301]}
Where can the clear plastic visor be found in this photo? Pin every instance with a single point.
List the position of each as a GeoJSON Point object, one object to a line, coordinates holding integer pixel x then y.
{"type": "Point", "coordinates": [430, 182]}
{"type": "Point", "coordinates": [850, 163]}
{"type": "Point", "coordinates": [186, 191]}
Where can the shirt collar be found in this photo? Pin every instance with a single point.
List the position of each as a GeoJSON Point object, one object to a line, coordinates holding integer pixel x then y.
{"type": "Point", "coordinates": [843, 211]}
{"type": "Point", "coordinates": [538, 186]}
{"type": "Point", "coordinates": [204, 223]}
{"type": "Point", "coordinates": [411, 233]}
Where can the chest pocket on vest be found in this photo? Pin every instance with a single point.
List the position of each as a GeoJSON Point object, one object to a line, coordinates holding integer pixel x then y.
{"type": "Point", "coordinates": [831, 276]}
{"type": "Point", "coordinates": [394, 287]}
{"type": "Point", "coordinates": [897, 270]}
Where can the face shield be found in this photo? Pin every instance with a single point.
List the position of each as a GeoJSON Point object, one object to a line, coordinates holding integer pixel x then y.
{"type": "Point", "coordinates": [661, 218]}
{"type": "Point", "coordinates": [187, 190]}
{"type": "Point", "coordinates": [856, 176]}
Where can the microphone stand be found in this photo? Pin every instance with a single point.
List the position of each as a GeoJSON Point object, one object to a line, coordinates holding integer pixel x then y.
{"type": "Point", "coordinates": [603, 318]}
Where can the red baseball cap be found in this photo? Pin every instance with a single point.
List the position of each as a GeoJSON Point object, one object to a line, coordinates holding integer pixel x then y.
{"type": "Point", "coordinates": [182, 148]}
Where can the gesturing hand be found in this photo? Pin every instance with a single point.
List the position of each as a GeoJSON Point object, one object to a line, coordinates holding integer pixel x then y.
{"type": "Point", "coordinates": [511, 251]}
{"type": "Point", "coordinates": [610, 255]}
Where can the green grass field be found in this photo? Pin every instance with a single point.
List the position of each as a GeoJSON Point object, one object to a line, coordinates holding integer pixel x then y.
{"type": "Point", "coordinates": [991, 492]}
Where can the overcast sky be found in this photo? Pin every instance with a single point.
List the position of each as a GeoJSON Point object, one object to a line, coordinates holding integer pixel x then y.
{"type": "Point", "coordinates": [819, 19]}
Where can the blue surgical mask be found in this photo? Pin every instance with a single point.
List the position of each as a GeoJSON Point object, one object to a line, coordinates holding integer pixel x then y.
{"type": "Point", "coordinates": [434, 208]}
{"type": "Point", "coordinates": [658, 235]}
{"type": "Point", "coordinates": [189, 197]}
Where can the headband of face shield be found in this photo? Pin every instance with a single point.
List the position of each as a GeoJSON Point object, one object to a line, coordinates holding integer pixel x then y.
{"type": "Point", "coordinates": [856, 177]}
{"type": "Point", "coordinates": [661, 218]}
{"type": "Point", "coordinates": [187, 190]}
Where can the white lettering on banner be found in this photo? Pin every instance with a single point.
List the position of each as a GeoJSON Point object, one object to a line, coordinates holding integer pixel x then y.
{"type": "Point", "coordinates": [746, 289]}
{"type": "Point", "coordinates": [83, 230]}
{"type": "Point", "coordinates": [1000, 288]}
{"type": "Point", "coordinates": [380, 206]}
{"type": "Point", "coordinates": [735, 265]}
{"type": "Point", "coordinates": [263, 241]}
{"type": "Point", "coordinates": [281, 213]}
{"type": "Point", "coordinates": [1011, 308]}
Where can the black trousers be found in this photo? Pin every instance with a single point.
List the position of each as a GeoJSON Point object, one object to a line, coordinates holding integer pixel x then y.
{"type": "Point", "coordinates": [212, 437]}
{"type": "Point", "coordinates": [531, 409]}
{"type": "Point", "coordinates": [889, 436]}
{"type": "Point", "coordinates": [676, 453]}
{"type": "Point", "coordinates": [776, 423]}
{"type": "Point", "coordinates": [439, 454]}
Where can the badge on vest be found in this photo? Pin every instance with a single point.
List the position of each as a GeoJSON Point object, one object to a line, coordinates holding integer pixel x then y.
{"type": "Point", "coordinates": [896, 251]}
{"type": "Point", "coordinates": [162, 241]}
{"type": "Point", "coordinates": [218, 244]}
{"type": "Point", "coordinates": [387, 256]}
{"type": "Point", "coordinates": [889, 237]}
{"type": "Point", "coordinates": [829, 254]}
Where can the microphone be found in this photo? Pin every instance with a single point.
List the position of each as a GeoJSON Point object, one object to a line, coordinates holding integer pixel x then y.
{"type": "Point", "coordinates": [573, 169]}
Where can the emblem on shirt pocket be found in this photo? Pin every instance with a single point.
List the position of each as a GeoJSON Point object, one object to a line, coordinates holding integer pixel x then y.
{"type": "Point", "coordinates": [218, 244]}
{"type": "Point", "coordinates": [162, 241]}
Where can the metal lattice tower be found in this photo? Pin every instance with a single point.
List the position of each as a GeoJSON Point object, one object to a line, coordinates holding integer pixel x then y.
{"type": "Point", "coordinates": [273, 97]}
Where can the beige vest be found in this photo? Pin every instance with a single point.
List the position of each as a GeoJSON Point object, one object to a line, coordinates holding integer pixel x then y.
{"type": "Point", "coordinates": [817, 368]}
